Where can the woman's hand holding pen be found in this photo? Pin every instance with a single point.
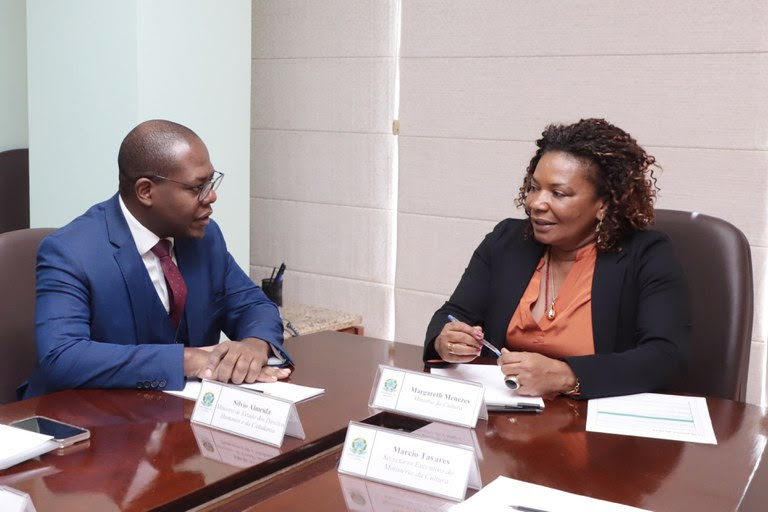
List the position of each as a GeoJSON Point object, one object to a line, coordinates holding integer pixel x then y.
{"type": "Point", "coordinates": [459, 342]}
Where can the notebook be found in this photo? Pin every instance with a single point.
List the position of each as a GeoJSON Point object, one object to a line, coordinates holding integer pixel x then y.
{"type": "Point", "coordinates": [498, 397]}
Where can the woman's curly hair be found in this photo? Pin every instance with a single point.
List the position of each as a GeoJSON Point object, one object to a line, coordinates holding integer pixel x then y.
{"type": "Point", "coordinates": [623, 176]}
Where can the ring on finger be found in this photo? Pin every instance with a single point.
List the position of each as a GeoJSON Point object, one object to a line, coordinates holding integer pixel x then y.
{"type": "Point", "coordinates": [512, 381]}
{"type": "Point", "coordinates": [450, 347]}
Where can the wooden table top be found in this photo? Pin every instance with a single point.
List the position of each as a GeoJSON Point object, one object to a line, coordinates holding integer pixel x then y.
{"type": "Point", "coordinates": [554, 449]}
{"type": "Point", "coordinates": [144, 454]}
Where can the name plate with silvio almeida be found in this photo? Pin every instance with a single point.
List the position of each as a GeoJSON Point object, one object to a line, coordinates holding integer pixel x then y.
{"type": "Point", "coordinates": [399, 459]}
{"type": "Point", "coordinates": [246, 412]}
{"type": "Point", "coordinates": [430, 397]}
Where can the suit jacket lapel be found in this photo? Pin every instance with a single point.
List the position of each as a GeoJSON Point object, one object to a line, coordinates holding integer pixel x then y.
{"type": "Point", "coordinates": [150, 322]}
{"type": "Point", "coordinates": [606, 298]}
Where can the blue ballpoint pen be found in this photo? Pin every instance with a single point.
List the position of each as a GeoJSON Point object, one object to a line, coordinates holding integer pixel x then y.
{"type": "Point", "coordinates": [485, 342]}
{"type": "Point", "coordinates": [509, 380]}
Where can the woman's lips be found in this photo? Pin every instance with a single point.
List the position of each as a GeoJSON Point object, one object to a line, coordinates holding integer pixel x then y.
{"type": "Point", "coordinates": [542, 225]}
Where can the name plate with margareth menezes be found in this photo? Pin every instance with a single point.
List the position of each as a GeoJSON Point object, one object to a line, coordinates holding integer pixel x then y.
{"type": "Point", "coordinates": [430, 397]}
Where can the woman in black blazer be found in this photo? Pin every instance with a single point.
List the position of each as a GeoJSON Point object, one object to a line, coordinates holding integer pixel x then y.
{"type": "Point", "coordinates": [588, 193]}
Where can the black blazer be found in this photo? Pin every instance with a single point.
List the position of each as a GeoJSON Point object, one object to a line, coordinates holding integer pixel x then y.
{"type": "Point", "coordinates": [640, 311]}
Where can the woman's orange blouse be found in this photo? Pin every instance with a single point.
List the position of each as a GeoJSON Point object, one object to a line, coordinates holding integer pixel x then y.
{"type": "Point", "coordinates": [570, 332]}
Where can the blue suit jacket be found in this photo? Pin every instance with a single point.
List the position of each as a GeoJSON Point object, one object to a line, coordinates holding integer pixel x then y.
{"type": "Point", "coordinates": [99, 322]}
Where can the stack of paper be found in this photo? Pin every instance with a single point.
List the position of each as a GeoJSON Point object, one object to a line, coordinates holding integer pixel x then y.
{"type": "Point", "coordinates": [498, 397]}
{"type": "Point", "coordinates": [679, 418]}
{"type": "Point", "coordinates": [19, 445]}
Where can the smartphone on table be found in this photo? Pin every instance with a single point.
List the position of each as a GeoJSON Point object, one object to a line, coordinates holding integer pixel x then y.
{"type": "Point", "coordinates": [63, 434]}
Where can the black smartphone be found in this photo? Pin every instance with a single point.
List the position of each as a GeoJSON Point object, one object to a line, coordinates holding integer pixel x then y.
{"type": "Point", "coordinates": [63, 434]}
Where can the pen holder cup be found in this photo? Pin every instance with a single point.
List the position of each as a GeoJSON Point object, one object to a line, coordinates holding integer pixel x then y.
{"type": "Point", "coordinates": [273, 290]}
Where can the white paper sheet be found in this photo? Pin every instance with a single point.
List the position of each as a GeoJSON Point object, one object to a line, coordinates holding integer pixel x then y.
{"type": "Point", "coordinates": [498, 396]}
{"type": "Point", "coordinates": [12, 500]}
{"type": "Point", "coordinates": [284, 390]}
{"type": "Point", "coordinates": [18, 445]}
{"type": "Point", "coordinates": [679, 418]}
{"type": "Point", "coordinates": [506, 493]}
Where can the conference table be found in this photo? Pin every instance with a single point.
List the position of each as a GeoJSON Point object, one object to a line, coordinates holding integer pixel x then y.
{"type": "Point", "coordinates": [145, 454]}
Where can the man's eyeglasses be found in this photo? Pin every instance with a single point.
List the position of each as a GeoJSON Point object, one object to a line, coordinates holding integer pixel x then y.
{"type": "Point", "coordinates": [203, 191]}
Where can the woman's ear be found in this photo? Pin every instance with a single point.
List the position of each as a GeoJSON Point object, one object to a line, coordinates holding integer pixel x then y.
{"type": "Point", "coordinates": [602, 210]}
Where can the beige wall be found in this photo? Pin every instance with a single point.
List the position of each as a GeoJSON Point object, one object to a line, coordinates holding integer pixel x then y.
{"type": "Point", "coordinates": [479, 81]}
{"type": "Point", "coordinates": [321, 153]}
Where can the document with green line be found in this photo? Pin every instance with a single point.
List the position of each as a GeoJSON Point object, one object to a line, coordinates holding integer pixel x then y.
{"type": "Point", "coordinates": [679, 418]}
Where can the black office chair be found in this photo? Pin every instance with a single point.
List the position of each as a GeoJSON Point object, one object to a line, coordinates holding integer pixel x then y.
{"type": "Point", "coordinates": [716, 258]}
{"type": "Point", "coordinates": [18, 356]}
{"type": "Point", "coordinates": [14, 192]}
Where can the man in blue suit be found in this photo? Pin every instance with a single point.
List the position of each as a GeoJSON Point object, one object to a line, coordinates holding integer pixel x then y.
{"type": "Point", "coordinates": [109, 312]}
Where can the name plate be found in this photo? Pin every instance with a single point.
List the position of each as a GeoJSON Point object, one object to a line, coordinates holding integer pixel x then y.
{"type": "Point", "coordinates": [246, 412]}
{"type": "Point", "coordinates": [401, 460]}
{"type": "Point", "coordinates": [427, 396]}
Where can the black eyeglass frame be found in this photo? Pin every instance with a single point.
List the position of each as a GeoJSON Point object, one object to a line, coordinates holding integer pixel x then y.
{"type": "Point", "coordinates": [203, 190]}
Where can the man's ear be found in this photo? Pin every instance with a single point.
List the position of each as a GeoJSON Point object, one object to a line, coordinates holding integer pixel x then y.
{"type": "Point", "coordinates": [144, 189]}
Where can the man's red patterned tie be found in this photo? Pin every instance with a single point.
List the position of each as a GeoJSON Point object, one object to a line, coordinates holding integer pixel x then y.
{"type": "Point", "coordinates": [177, 289]}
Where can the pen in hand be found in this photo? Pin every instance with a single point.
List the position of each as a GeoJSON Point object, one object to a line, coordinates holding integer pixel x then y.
{"type": "Point", "coordinates": [509, 380]}
{"type": "Point", "coordinates": [485, 342]}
